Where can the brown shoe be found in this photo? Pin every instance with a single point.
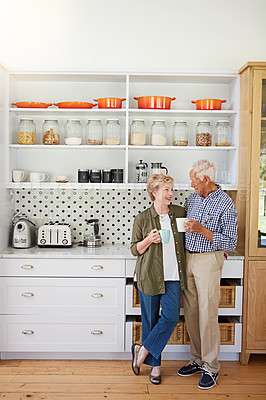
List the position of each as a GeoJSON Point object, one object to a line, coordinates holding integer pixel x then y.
{"type": "Point", "coordinates": [135, 348]}
{"type": "Point", "coordinates": [155, 380]}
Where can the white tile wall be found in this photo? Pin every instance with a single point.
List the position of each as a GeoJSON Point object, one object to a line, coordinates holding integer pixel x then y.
{"type": "Point", "coordinates": [115, 209]}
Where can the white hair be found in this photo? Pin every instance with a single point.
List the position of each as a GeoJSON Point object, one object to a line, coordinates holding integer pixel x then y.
{"type": "Point", "coordinates": [204, 168]}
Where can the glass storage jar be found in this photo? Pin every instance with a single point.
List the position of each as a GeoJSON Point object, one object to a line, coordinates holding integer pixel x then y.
{"type": "Point", "coordinates": [138, 132]}
{"type": "Point", "coordinates": [50, 132]}
{"type": "Point", "coordinates": [26, 131]}
{"type": "Point", "coordinates": [222, 133]}
{"type": "Point", "coordinates": [158, 133]}
{"type": "Point", "coordinates": [73, 132]}
{"type": "Point", "coordinates": [203, 133]}
{"type": "Point", "coordinates": [94, 132]}
{"type": "Point", "coordinates": [112, 132]}
{"type": "Point", "coordinates": [180, 133]}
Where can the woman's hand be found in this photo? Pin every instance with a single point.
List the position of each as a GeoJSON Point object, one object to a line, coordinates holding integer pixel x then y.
{"type": "Point", "coordinates": [154, 236]}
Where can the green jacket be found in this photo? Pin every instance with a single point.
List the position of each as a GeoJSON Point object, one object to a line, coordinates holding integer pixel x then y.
{"type": "Point", "coordinates": [149, 265]}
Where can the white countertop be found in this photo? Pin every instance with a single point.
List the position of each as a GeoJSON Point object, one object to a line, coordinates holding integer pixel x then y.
{"type": "Point", "coordinates": [76, 251]}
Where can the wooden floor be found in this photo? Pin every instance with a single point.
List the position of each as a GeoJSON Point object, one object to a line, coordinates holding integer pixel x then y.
{"type": "Point", "coordinates": [113, 380]}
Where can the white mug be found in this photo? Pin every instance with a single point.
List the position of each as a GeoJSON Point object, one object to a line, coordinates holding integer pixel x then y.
{"type": "Point", "coordinates": [19, 175]}
{"type": "Point", "coordinates": [180, 222]}
{"type": "Point", "coordinates": [38, 177]}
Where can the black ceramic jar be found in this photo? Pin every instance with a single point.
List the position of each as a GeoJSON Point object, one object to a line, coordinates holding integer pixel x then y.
{"type": "Point", "coordinates": [117, 175]}
{"type": "Point", "coordinates": [83, 175]}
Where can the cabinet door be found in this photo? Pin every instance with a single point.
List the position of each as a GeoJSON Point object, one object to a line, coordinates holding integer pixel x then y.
{"type": "Point", "coordinates": [257, 246]}
{"type": "Point", "coordinates": [256, 329]}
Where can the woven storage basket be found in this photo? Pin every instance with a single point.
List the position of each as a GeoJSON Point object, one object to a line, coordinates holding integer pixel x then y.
{"type": "Point", "coordinates": [227, 331]}
{"type": "Point", "coordinates": [227, 295]}
{"type": "Point", "coordinates": [177, 336]}
{"type": "Point", "coordinates": [136, 299]}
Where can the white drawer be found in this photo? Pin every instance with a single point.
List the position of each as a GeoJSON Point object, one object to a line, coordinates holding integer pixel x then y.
{"type": "Point", "coordinates": [231, 269]}
{"type": "Point", "coordinates": [62, 333]}
{"type": "Point", "coordinates": [62, 267]}
{"type": "Point", "coordinates": [91, 296]}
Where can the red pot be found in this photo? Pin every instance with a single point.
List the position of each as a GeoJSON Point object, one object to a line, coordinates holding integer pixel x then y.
{"type": "Point", "coordinates": [208, 104]}
{"type": "Point", "coordinates": [109, 102]}
{"type": "Point", "coordinates": [154, 102]}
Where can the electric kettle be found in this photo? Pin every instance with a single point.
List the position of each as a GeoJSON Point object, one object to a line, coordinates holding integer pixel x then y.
{"type": "Point", "coordinates": [158, 168]}
{"type": "Point", "coordinates": [91, 234]}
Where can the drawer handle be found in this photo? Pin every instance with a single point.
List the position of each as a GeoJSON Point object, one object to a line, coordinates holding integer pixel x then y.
{"type": "Point", "coordinates": [27, 266]}
{"type": "Point", "coordinates": [97, 267]}
{"type": "Point", "coordinates": [27, 294]}
{"type": "Point", "coordinates": [96, 332]}
{"type": "Point", "coordinates": [96, 295]}
{"type": "Point", "coordinates": [28, 332]}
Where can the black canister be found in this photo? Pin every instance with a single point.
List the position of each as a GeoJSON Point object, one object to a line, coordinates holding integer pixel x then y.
{"type": "Point", "coordinates": [83, 175]}
{"type": "Point", "coordinates": [117, 175]}
{"type": "Point", "coordinates": [95, 176]}
{"type": "Point", "coordinates": [107, 176]}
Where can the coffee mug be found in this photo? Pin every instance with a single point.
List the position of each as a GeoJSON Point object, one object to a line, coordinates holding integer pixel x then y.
{"type": "Point", "coordinates": [165, 235]}
{"type": "Point", "coordinates": [180, 222]}
{"type": "Point", "coordinates": [38, 177]}
{"type": "Point", "coordinates": [19, 175]}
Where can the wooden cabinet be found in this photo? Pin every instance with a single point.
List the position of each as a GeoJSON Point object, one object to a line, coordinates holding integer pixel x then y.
{"type": "Point", "coordinates": [251, 204]}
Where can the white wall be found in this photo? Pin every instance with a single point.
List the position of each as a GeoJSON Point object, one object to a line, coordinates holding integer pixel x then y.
{"type": "Point", "coordinates": [169, 35]}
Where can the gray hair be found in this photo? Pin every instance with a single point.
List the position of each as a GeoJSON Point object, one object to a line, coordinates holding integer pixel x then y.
{"type": "Point", "coordinates": [204, 168]}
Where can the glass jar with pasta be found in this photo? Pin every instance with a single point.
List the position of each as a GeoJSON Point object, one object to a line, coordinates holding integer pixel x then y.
{"type": "Point", "coordinates": [26, 131]}
{"type": "Point", "coordinates": [50, 132]}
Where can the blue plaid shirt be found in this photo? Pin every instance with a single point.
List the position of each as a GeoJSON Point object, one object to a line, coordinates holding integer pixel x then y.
{"type": "Point", "coordinates": [218, 214]}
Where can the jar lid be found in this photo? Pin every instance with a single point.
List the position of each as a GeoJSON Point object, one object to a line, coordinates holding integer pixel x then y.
{"type": "Point", "coordinates": [158, 120]}
{"type": "Point", "coordinates": [75, 120]}
{"type": "Point", "coordinates": [140, 120]}
{"type": "Point", "coordinates": [118, 170]}
{"type": "Point", "coordinates": [93, 119]}
{"type": "Point", "coordinates": [51, 119]}
{"type": "Point", "coordinates": [95, 170]}
{"type": "Point", "coordinates": [204, 121]}
{"type": "Point", "coordinates": [26, 119]}
{"type": "Point", "coordinates": [106, 170]}
{"type": "Point", "coordinates": [181, 121]}
{"type": "Point", "coordinates": [112, 119]}
{"type": "Point", "coordinates": [83, 170]}
{"type": "Point", "coordinates": [223, 120]}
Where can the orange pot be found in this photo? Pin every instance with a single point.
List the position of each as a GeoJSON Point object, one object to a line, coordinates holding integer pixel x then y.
{"type": "Point", "coordinates": [31, 104]}
{"type": "Point", "coordinates": [74, 104]}
{"type": "Point", "coordinates": [208, 104]}
{"type": "Point", "coordinates": [109, 102]}
{"type": "Point", "coordinates": [154, 102]}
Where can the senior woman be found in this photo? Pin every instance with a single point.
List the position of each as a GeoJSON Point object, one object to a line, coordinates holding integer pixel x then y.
{"type": "Point", "coordinates": [160, 273]}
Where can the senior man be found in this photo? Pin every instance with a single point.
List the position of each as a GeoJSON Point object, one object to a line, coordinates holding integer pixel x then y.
{"type": "Point", "coordinates": [211, 230]}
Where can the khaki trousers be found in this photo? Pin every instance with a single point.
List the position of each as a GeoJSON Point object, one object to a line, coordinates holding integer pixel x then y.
{"type": "Point", "coordinates": [201, 302]}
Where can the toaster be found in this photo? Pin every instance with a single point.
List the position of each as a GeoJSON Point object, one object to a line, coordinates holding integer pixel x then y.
{"type": "Point", "coordinates": [54, 234]}
{"type": "Point", "coordinates": [24, 234]}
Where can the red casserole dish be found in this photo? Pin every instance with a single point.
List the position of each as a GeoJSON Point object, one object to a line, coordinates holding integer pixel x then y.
{"type": "Point", "coordinates": [109, 102]}
{"type": "Point", "coordinates": [74, 104]}
{"type": "Point", "coordinates": [154, 102]}
{"type": "Point", "coordinates": [208, 104]}
{"type": "Point", "coordinates": [31, 104]}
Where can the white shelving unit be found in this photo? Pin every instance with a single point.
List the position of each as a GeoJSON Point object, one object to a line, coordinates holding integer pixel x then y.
{"type": "Point", "coordinates": [87, 86]}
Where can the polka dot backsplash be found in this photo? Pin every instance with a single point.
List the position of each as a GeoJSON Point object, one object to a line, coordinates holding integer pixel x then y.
{"type": "Point", "coordinates": [115, 209]}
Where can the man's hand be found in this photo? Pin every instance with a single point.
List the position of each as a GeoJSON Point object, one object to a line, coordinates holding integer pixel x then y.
{"type": "Point", "coordinates": [194, 226]}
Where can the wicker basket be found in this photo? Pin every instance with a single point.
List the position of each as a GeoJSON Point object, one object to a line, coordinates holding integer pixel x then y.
{"type": "Point", "coordinates": [227, 331]}
{"type": "Point", "coordinates": [227, 295]}
{"type": "Point", "coordinates": [177, 336]}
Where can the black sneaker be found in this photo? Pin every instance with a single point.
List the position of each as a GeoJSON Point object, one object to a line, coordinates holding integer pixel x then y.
{"type": "Point", "coordinates": [190, 369]}
{"type": "Point", "coordinates": [208, 379]}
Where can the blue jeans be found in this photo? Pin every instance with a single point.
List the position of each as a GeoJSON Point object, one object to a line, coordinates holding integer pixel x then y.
{"type": "Point", "coordinates": [157, 329]}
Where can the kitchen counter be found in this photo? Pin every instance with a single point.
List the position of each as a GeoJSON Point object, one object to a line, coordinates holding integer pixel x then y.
{"type": "Point", "coordinates": [76, 251]}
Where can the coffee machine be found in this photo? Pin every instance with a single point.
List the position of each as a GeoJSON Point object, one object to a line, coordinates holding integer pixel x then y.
{"type": "Point", "coordinates": [91, 234]}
